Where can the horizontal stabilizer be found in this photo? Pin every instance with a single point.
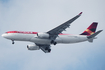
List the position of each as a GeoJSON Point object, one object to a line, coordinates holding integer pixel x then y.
{"type": "Point", "coordinates": [93, 35]}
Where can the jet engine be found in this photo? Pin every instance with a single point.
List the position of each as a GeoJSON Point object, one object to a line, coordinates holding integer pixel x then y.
{"type": "Point", "coordinates": [33, 47]}
{"type": "Point", "coordinates": [43, 35]}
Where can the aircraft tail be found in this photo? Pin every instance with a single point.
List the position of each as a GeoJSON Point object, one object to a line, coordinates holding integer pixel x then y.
{"type": "Point", "coordinates": [91, 29]}
{"type": "Point", "coordinates": [91, 37]}
{"type": "Point", "coordinates": [90, 32]}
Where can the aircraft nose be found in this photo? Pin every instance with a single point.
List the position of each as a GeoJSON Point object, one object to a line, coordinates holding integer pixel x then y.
{"type": "Point", "coordinates": [4, 35]}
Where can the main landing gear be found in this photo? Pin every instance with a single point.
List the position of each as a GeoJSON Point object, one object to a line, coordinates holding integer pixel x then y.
{"type": "Point", "coordinates": [53, 42]}
{"type": "Point", "coordinates": [49, 50]}
{"type": "Point", "coordinates": [13, 42]}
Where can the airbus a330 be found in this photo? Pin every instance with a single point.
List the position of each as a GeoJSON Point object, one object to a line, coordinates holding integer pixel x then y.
{"type": "Point", "coordinates": [55, 36]}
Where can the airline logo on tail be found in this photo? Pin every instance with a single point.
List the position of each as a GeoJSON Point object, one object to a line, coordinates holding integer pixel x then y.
{"type": "Point", "coordinates": [91, 29]}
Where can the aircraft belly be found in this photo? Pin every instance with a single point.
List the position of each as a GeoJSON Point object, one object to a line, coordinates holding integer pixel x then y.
{"type": "Point", "coordinates": [73, 39]}
{"type": "Point", "coordinates": [59, 40]}
{"type": "Point", "coordinates": [40, 41]}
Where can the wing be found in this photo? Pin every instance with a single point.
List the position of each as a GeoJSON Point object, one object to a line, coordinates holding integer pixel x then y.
{"type": "Point", "coordinates": [54, 32]}
{"type": "Point", "coordinates": [45, 48]}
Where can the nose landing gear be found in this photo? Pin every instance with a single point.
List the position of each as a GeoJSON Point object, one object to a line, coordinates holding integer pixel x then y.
{"type": "Point", "coordinates": [13, 42]}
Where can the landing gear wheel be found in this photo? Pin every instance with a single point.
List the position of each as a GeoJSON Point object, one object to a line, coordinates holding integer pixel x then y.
{"type": "Point", "coordinates": [55, 43]}
{"type": "Point", "coordinates": [52, 42]}
{"type": "Point", "coordinates": [13, 42]}
{"type": "Point", "coordinates": [49, 50]}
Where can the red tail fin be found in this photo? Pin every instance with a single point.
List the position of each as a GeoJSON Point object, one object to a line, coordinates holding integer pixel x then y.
{"type": "Point", "coordinates": [91, 29]}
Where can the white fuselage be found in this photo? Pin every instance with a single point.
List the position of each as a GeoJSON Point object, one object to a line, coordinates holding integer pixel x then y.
{"type": "Point", "coordinates": [35, 39]}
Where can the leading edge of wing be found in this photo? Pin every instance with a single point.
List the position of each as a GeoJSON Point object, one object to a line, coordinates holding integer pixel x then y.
{"type": "Point", "coordinates": [54, 32]}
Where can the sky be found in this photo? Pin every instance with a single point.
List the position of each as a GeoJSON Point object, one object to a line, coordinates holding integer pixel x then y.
{"type": "Point", "coordinates": [42, 16]}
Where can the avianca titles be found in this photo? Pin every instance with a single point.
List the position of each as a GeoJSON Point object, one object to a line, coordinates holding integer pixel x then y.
{"type": "Point", "coordinates": [55, 36]}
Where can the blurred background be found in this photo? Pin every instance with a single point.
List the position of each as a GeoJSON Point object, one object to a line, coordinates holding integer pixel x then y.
{"type": "Point", "coordinates": [42, 16]}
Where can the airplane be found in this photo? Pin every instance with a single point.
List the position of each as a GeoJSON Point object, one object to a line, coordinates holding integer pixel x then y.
{"type": "Point", "coordinates": [44, 40]}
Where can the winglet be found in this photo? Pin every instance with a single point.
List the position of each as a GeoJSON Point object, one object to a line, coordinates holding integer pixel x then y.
{"type": "Point", "coordinates": [80, 13]}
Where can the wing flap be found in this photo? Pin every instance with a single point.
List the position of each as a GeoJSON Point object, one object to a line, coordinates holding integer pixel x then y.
{"type": "Point", "coordinates": [45, 48]}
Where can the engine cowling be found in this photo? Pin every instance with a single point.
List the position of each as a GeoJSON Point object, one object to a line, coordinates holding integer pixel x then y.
{"type": "Point", "coordinates": [33, 47]}
{"type": "Point", "coordinates": [43, 35]}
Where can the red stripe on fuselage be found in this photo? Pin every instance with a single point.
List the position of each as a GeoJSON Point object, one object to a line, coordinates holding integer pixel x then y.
{"type": "Point", "coordinates": [24, 32]}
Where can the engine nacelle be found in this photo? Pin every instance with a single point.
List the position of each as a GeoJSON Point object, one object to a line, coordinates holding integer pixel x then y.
{"type": "Point", "coordinates": [33, 47]}
{"type": "Point", "coordinates": [43, 35]}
